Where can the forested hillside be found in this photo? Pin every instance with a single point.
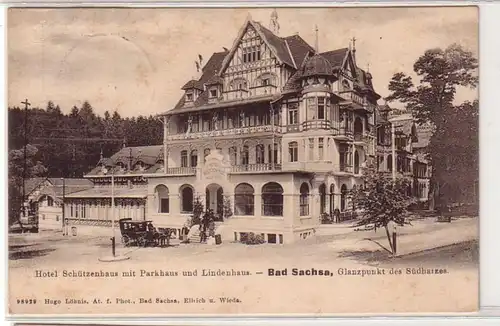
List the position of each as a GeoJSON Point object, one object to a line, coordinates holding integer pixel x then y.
{"type": "Point", "coordinates": [69, 145]}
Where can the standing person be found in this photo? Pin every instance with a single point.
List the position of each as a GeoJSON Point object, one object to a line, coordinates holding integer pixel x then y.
{"type": "Point", "coordinates": [337, 215]}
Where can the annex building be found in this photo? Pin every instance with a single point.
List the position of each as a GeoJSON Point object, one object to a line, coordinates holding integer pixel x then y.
{"type": "Point", "coordinates": [273, 133]}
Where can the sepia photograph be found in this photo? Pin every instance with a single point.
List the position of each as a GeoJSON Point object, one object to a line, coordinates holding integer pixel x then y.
{"type": "Point", "coordinates": [243, 161]}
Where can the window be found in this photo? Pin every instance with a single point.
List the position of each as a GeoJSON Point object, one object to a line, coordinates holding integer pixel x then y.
{"type": "Point", "coordinates": [206, 152]}
{"type": "Point", "coordinates": [233, 152]}
{"type": "Point", "coordinates": [345, 85]}
{"type": "Point", "coordinates": [238, 83]}
{"type": "Point", "coordinates": [321, 108]}
{"type": "Point", "coordinates": [57, 218]}
{"type": "Point", "coordinates": [184, 159]}
{"type": "Point", "coordinates": [343, 197]}
{"type": "Point", "coordinates": [186, 199]}
{"type": "Point", "coordinates": [293, 151]}
{"type": "Point", "coordinates": [389, 163]}
{"type": "Point", "coordinates": [356, 162]}
{"type": "Point", "coordinates": [271, 238]}
{"type": "Point", "coordinates": [265, 82]}
{"type": "Point", "coordinates": [189, 97]}
{"type": "Point", "coordinates": [316, 108]}
{"type": "Point", "coordinates": [304, 199]}
{"type": "Point", "coordinates": [244, 199]}
{"type": "Point", "coordinates": [321, 148]}
{"type": "Point", "coordinates": [50, 201]}
{"type": "Point", "coordinates": [161, 193]}
{"type": "Point", "coordinates": [311, 149]}
{"type": "Point", "coordinates": [311, 108]}
{"type": "Point", "coordinates": [322, 198]}
{"type": "Point", "coordinates": [293, 115]}
{"type": "Point", "coordinates": [244, 155]}
{"type": "Point", "coordinates": [273, 158]}
{"type": "Point", "coordinates": [251, 54]}
{"type": "Point", "coordinates": [272, 199]}
{"type": "Point", "coordinates": [194, 158]}
{"type": "Point", "coordinates": [213, 93]}
{"type": "Point", "coordinates": [259, 154]}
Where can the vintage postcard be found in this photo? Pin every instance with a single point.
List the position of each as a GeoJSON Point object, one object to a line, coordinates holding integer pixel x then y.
{"type": "Point", "coordinates": [245, 161]}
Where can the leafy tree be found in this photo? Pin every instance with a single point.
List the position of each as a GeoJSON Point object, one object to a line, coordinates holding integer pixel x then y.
{"type": "Point", "coordinates": [34, 168]}
{"type": "Point", "coordinates": [381, 201]}
{"type": "Point", "coordinates": [453, 148]}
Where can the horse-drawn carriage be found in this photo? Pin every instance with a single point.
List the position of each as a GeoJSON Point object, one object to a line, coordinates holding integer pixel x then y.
{"type": "Point", "coordinates": [142, 233]}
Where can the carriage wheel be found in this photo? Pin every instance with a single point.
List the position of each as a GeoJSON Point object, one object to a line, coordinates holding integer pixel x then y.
{"type": "Point", "coordinates": [140, 241]}
{"type": "Point", "coordinates": [125, 240]}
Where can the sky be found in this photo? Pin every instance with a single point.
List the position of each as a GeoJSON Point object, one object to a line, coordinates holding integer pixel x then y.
{"type": "Point", "coordinates": [136, 60]}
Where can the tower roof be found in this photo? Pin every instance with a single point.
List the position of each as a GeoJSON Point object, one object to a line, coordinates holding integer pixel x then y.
{"type": "Point", "coordinates": [317, 65]}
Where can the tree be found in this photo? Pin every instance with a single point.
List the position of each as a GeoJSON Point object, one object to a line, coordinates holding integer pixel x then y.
{"type": "Point", "coordinates": [381, 201]}
{"type": "Point", "coordinates": [452, 155]}
{"type": "Point", "coordinates": [34, 168]}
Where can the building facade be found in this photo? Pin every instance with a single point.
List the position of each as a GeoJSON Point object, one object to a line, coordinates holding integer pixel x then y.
{"type": "Point", "coordinates": [45, 196]}
{"type": "Point", "coordinates": [273, 130]}
{"type": "Point", "coordinates": [411, 141]}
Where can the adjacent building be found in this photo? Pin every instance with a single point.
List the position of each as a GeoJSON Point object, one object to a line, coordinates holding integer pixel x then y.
{"type": "Point", "coordinates": [45, 196]}
{"type": "Point", "coordinates": [411, 141]}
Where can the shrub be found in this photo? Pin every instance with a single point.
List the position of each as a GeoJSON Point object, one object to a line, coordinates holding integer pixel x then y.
{"type": "Point", "coordinates": [325, 218]}
{"type": "Point", "coordinates": [254, 239]}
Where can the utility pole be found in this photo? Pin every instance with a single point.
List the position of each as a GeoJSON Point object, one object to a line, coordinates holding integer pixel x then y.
{"type": "Point", "coordinates": [26, 106]}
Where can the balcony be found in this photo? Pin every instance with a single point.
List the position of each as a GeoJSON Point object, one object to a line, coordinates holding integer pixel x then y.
{"type": "Point", "coordinates": [226, 132]}
{"type": "Point", "coordinates": [316, 124]}
{"type": "Point", "coordinates": [259, 167]}
{"type": "Point", "coordinates": [262, 90]}
{"type": "Point", "coordinates": [345, 168]}
{"type": "Point", "coordinates": [181, 171]}
{"type": "Point", "coordinates": [351, 97]}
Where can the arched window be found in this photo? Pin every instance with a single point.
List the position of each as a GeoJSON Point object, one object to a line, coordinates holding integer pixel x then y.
{"type": "Point", "coordinates": [244, 155]}
{"type": "Point", "coordinates": [304, 199]}
{"type": "Point", "coordinates": [184, 159]}
{"type": "Point", "coordinates": [345, 85]}
{"type": "Point", "coordinates": [186, 192]}
{"type": "Point", "coordinates": [194, 158]}
{"type": "Point", "coordinates": [389, 162]}
{"type": "Point", "coordinates": [163, 201]}
{"type": "Point", "coordinates": [233, 153]}
{"type": "Point", "coordinates": [322, 198]}
{"type": "Point", "coordinates": [356, 162]}
{"type": "Point", "coordinates": [265, 79]}
{"type": "Point", "coordinates": [244, 199]}
{"type": "Point", "coordinates": [272, 199]}
{"type": "Point", "coordinates": [343, 197]}
{"type": "Point", "coordinates": [238, 83]}
{"type": "Point", "coordinates": [353, 190]}
{"type": "Point", "coordinates": [358, 129]}
{"type": "Point", "coordinates": [206, 152]}
{"type": "Point", "coordinates": [50, 201]}
{"type": "Point", "coordinates": [293, 151]}
{"type": "Point", "coordinates": [332, 198]}
{"type": "Point", "coordinates": [259, 154]}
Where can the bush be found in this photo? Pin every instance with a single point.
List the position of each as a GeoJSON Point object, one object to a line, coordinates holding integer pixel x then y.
{"type": "Point", "coordinates": [325, 218]}
{"type": "Point", "coordinates": [254, 239]}
{"type": "Point", "coordinates": [196, 217]}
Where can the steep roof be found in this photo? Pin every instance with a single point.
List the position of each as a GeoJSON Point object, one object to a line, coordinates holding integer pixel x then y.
{"type": "Point", "coordinates": [424, 134]}
{"type": "Point", "coordinates": [149, 155]}
{"type": "Point", "coordinates": [278, 43]}
{"type": "Point", "coordinates": [335, 57]}
{"type": "Point", "coordinates": [298, 48]}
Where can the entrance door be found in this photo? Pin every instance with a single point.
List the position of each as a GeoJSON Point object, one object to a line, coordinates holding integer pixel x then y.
{"type": "Point", "coordinates": [215, 199]}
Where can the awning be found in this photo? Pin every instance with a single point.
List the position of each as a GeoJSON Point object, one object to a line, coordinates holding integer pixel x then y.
{"type": "Point", "coordinates": [106, 193]}
{"type": "Point", "coordinates": [220, 105]}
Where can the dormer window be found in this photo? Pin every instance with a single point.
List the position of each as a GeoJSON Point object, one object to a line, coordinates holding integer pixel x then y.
{"type": "Point", "coordinates": [189, 97]}
{"type": "Point", "coordinates": [266, 82]}
{"type": "Point", "coordinates": [213, 93]}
